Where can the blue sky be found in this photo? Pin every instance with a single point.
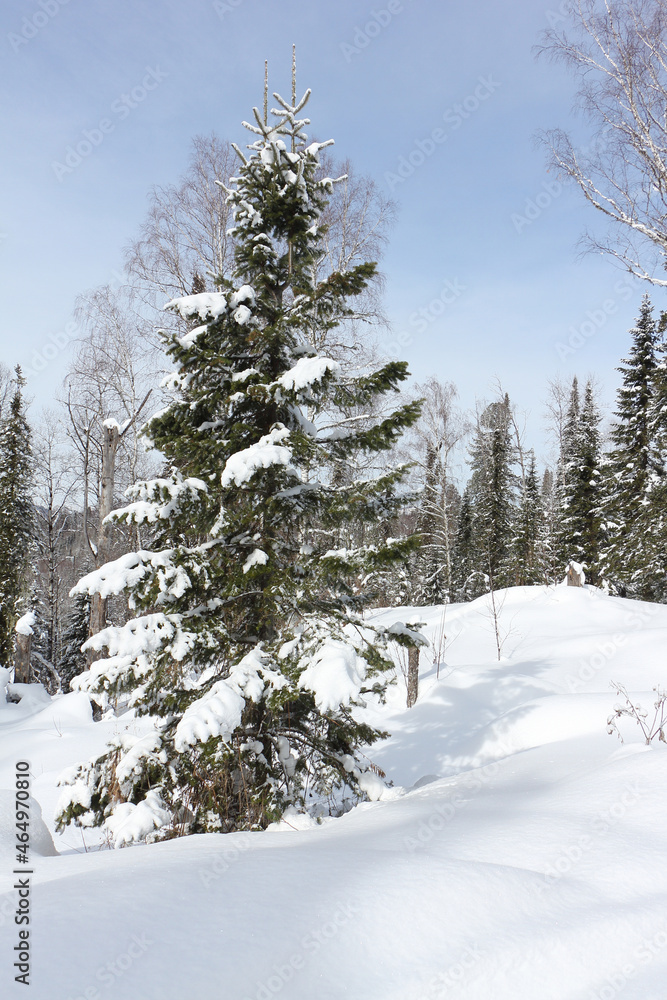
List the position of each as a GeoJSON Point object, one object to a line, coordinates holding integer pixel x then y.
{"type": "Point", "coordinates": [501, 296]}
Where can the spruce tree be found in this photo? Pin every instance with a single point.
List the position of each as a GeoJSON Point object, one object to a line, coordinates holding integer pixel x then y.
{"type": "Point", "coordinates": [527, 561]}
{"type": "Point", "coordinates": [649, 579]}
{"type": "Point", "coordinates": [16, 516]}
{"type": "Point", "coordinates": [492, 488]}
{"type": "Point", "coordinates": [580, 531]}
{"type": "Point", "coordinates": [249, 647]}
{"type": "Point", "coordinates": [466, 583]}
{"type": "Point", "coordinates": [629, 466]}
{"type": "Point", "coordinates": [75, 633]}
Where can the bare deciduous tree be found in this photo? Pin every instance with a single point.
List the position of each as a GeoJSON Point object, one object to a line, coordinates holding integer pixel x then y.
{"type": "Point", "coordinates": [54, 571]}
{"type": "Point", "coordinates": [617, 49]}
{"type": "Point", "coordinates": [357, 222]}
{"type": "Point", "coordinates": [184, 238]}
{"type": "Point", "coordinates": [6, 376]}
{"type": "Point", "coordinates": [185, 244]}
{"type": "Point", "coordinates": [441, 429]}
{"type": "Point", "coordinates": [111, 379]}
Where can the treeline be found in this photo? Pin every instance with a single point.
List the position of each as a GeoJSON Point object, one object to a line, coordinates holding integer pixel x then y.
{"type": "Point", "coordinates": [602, 503]}
{"type": "Point", "coordinates": [484, 514]}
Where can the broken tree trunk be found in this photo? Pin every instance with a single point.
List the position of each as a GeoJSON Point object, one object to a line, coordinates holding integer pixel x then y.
{"type": "Point", "coordinates": [22, 671]}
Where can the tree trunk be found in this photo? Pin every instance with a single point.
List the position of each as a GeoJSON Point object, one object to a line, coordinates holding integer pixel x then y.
{"type": "Point", "coordinates": [413, 675]}
{"type": "Point", "coordinates": [22, 671]}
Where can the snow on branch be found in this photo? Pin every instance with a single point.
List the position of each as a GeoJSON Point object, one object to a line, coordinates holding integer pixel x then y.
{"type": "Point", "coordinates": [129, 570]}
{"type": "Point", "coordinates": [206, 305]}
{"type": "Point", "coordinates": [307, 371]}
{"type": "Point", "coordinates": [268, 451]}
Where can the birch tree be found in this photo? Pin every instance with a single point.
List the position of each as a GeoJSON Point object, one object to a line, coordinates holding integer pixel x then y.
{"type": "Point", "coordinates": [617, 51]}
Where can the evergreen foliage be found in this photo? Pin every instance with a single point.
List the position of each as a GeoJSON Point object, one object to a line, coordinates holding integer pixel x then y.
{"type": "Point", "coordinates": [631, 514]}
{"type": "Point", "coordinates": [492, 489]}
{"type": "Point", "coordinates": [528, 558]}
{"type": "Point", "coordinates": [580, 530]}
{"type": "Point", "coordinates": [75, 632]}
{"type": "Point", "coordinates": [249, 647]}
{"type": "Point", "coordinates": [16, 516]}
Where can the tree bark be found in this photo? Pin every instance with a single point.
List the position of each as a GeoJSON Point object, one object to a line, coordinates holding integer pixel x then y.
{"type": "Point", "coordinates": [413, 675]}
{"type": "Point", "coordinates": [22, 671]}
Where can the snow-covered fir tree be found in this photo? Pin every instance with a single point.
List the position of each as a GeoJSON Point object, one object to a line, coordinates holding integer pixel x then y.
{"type": "Point", "coordinates": [492, 490]}
{"type": "Point", "coordinates": [464, 575]}
{"type": "Point", "coordinates": [580, 527]}
{"type": "Point", "coordinates": [75, 633]}
{"type": "Point", "coordinates": [249, 647]}
{"type": "Point", "coordinates": [16, 516]}
{"type": "Point", "coordinates": [633, 530]}
{"type": "Point", "coordinates": [527, 557]}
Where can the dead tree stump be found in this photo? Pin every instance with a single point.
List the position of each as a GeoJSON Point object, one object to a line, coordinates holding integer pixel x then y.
{"type": "Point", "coordinates": [22, 672]}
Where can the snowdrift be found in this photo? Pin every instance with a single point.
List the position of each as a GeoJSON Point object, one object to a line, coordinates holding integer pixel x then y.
{"type": "Point", "coordinates": [518, 854]}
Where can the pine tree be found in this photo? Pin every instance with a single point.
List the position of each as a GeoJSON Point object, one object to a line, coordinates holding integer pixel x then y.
{"type": "Point", "coordinates": [580, 531]}
{"type": "Point", "coordinates": [466, 584]}
{"type": "Point", "coordinates": [649, 580]}
{"type": "Point", "coordinates": [16, 516]}
{"type": "Point", "coordinates": [75, 633]}
{"type": "Point", "coordinates": [630, 464]}
{"type": "Point", "coordinates": [492, 488]}
{"type": "Point", "coordinates": [248, 648]}
{"type": "Point", "coordinates": [570, 431]}
{"type": "Point", "coordinates": [527, 561]}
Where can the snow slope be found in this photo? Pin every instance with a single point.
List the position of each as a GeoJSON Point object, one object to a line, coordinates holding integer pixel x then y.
{"type": "Point", "coordinates": [520, 853]}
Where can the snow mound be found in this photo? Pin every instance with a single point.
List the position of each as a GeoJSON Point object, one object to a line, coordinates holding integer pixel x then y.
{"type": "Point", "coordinates": [40, 842]}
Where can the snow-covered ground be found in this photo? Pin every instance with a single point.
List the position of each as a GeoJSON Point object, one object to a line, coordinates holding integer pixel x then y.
{"type": "Point", "coordinates": [520, 854]}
